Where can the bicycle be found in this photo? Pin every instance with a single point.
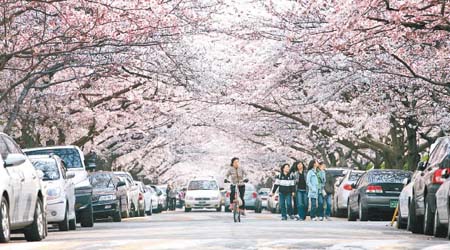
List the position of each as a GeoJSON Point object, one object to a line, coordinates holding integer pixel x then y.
{"type": "Point", "coordinates": [237, 202]}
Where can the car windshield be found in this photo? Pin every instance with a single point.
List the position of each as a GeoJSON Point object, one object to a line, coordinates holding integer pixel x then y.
{"type": "Point", "coordinates": [388, 177]}
{"type": "Point", "coordinates": [49, 167]}
{"type": "Point", "coordinates": [354, 176]}
{"type": "Point", "coordinates": [264, 192]}
{"type": "Point", "coordinates": [203, 185]}
{"type": "Point", "coordinates": [70, 156]}
{"type": "Point", "coordinates": [101, 181]}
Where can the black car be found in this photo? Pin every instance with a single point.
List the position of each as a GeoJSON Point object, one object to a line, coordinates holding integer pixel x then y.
{"type": "Point", "coordinates": [105, 199]}
{"type": "Point", "coordinates": [426, 181]}
{"type": "Point", "coordinates": [375, 193]}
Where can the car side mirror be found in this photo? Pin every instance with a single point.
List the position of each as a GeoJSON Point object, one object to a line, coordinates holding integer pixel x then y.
{"type": "Point", "coordinates": [353, 186]}
{"type": "Point", "coordinates": [13, 160]}
{"type": "Point", "coordinates": [70, 175]}
{"type": "Point", "coordinates": [445, 174]}
{"type": "Point", "coordinates": [405, 181]}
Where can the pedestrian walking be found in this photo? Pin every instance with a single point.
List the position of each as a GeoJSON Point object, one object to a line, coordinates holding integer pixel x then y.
{"type": "Point", "coordinates": [314, 182]}
{"type": "Point", "coordinates": [329, 191]}
{"type": "Point", "coordinates": [286, 184]}
{"type": "Point", "coordinates": [172, 197]}
{"type": "Point", "coordinates": [301, 193]}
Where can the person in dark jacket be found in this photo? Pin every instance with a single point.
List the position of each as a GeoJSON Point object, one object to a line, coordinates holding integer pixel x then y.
{"type": "Point", "coordinates": [301, 193]}
{"type": "Point", "coordinates": [329, 190]}
{"type": "Point", "coordinates": [286, 184]}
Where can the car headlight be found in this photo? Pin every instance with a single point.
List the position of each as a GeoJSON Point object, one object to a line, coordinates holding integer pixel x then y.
{"type": "Point", "coordinates": [107, 197]}
{"type": "Point", "coordinates": [53, 193]}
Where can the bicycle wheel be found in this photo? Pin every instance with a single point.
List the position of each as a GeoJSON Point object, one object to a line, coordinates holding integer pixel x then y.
{"type": "Point", "coordinates": [235, 213]}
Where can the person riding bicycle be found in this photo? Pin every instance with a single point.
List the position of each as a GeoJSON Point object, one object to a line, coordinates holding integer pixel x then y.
{"type": "Point", "coordinates": [237, 176]}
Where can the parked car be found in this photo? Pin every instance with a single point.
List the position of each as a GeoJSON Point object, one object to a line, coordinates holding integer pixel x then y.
{"type": "Point", "coordinates": [375, 193]}
{"type": "Point", "coordinates": [22, 201]}
{"type": "Point", "coordinates": [106, 198]}
{"type": "Point", "coordinates": [130, 199]}
{"type": "Point", "coordinates": [441, 215]}
{"type": "Point", "coordinates": [155, 199]}
{"type": "Point", "coordinates": [427, 179]}
{"type": "Point", "coordinates": [145, 199]}
{"type": "Point", "coordinates": [264, 194]}
{"type": "Point", "coordinates": [60, 191]}
{"type": "Point", "coordinates": [202, 193]}
{"type": "Point", "coordinates": [162, 199]}
{"type": "Point", "coordinates": [403, 204]}
{"type": "Point", "coordinates": [251, 197]}
{"type": "Point", "coordinates": [343, 188]}
{"type": "Point", "coordinates": [74, 161]}
{"type": "Point", "coordinates": [273, 203]}
{"type": "Point", "coordinates": [163, 189]}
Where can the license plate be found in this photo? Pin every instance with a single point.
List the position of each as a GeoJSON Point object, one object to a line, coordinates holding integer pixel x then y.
{"type": "Point", "coordinates": [393, 203]}
{"type": "Point", "coordinates": [108, 207]}
{"type": "Point", "coordinates": [202, 202]}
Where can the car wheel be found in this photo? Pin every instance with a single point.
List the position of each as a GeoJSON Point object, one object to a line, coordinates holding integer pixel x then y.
{"type": "Point", "coordinates": [219, 209]}
{"type": "Point", "coordinates": [414, 221]}
{"type": "Point", "coordinates": [277, 209]}
{"type": "Point", "coordinates": [350, 215]}
{"type": "Point", "coordinates": [187, 210]}
{"type": "Point", "coordinates": [5, 223]}
{"type": "Point", "coordinates": [438, 228]}
{"type": "Point", "coordinates": [142, 212]}
{"type": "Point", "coordinates": [64, 225]}
{"type": "Point", "coordinates": [428, 218]}
{"type": "Point", "coordinates": [150, 212]}
{"type": "Point", "coordinates": [363, 213]}
{"type": "Point", "coordinates": [87, 218]}
{"type": "Point", "coordinates": [73, 224]}
{"type": "Point", "coordinates": [36, 231]}
{"type": "Point", "coordinates": [400, 223]}
{"type": "Point", "coordinates": [117, 217]}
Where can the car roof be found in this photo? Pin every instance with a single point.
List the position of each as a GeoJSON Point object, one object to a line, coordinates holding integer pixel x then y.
{"type": "Point", "coordinates": [52, 147]}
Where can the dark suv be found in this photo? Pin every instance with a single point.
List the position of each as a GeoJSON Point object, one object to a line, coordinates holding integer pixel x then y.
{"type": "Point", "coordinates": [426, 181]}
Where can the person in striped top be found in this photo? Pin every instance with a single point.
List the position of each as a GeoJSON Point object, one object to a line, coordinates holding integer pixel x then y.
{"type": "Point", "coordinates": [285, 182]}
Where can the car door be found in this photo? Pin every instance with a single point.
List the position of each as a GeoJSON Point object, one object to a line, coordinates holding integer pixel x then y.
{"type": "Point", "coordinates": [30, 183]}
{"type": "Point", "coordinates": [69, 188]}
{"type": "Point", "coordinates": [15, 185]}
{"type": "Point", "coordinates": [353, 198]}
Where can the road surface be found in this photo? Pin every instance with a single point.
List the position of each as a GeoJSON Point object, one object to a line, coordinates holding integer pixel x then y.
{"type": "Point", "coordinates": [212, 230]}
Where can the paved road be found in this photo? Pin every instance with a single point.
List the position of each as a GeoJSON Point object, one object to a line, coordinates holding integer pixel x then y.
{"type": "Point", "coordinates": [211, 230]}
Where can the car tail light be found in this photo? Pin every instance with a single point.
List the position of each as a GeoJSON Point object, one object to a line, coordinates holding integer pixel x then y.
{"type": "Point", "coordinates": [228, 194]}
{"type": "Point", "coordinates": [437, 175]}
{"type": "Point", "coordinates": [255, 195]}
{"type": "Point", "coordinates": [141, 197]}
{"type": "Point", "coordinates": [374, 189]}
{"type": "Point", "coordinates": [348, 187]}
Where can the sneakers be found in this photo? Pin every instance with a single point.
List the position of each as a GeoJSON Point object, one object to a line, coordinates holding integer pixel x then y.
{"type": "Point", "coordinates": [314, 219]}
{"type": "Point", "coordinates": [321, 218]}
{"type": "Point", "coordinates": [292, 217]}
{"type": "Point", "coordinates": [284, 218]}
{"type": "Point", "coordinates": [328, 218]}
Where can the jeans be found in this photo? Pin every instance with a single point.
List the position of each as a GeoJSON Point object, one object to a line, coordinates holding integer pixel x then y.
{"type": "Point", "coordinates": [328, 205]}
{"type": "Point", "coordinates": [241, 194]}
{"type": "Point", "coordinates": [302, 203]}
{"type": "Point", "coordinates": [285, 204]}
{"type": "Point", "coordinates": [317, 207]}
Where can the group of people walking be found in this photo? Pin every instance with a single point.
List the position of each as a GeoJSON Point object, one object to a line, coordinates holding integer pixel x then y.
{"type": "Point", "coordinates": [314, 186]}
